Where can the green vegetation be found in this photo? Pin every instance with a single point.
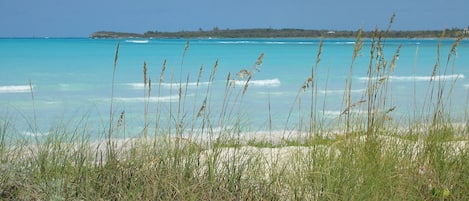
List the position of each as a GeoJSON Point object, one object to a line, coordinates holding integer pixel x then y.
{"type": "Point", "coordinates": [364, 158]}
{"type": "Point", "coordinates": [278, 33]}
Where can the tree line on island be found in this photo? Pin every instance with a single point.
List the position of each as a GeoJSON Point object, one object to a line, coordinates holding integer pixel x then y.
{"type": "Point", "coordinates": [280, 33]}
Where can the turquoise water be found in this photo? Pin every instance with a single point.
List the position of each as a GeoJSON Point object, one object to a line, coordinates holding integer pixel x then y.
{"type": "Point", "coordinates": [72, 80]}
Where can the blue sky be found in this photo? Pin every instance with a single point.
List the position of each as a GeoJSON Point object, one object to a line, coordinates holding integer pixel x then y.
{"type": "Point", "coordinates": [67, 18]}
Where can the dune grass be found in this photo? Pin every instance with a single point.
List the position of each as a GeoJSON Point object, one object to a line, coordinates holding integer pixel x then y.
{"type": "Point", "coordinates": [200, 155]}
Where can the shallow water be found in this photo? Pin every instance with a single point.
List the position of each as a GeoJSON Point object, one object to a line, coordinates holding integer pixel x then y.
{"type": "Point", "coordinates": [72, 80]}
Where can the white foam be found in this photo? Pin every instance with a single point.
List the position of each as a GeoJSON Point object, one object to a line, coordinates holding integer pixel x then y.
{"type": "Point", "coordinates": [151, 99]}
{"type": "Point", "coordinates": [15, 89]}
{"type": "Point", "coordinates": [336, 113]}
{"type": "Point", "coordinates": [345, 43]}
{"type": "Point", "coordinates": [278, 93]}
{"type": "Point", "coordinates": [263, 42]}
{"type": "Point", "coordinates": [35, 134]}
{"type": "Point", "coordinates": [419, 78]}
{"type": "Point", "coordinates": [167, 85]}
{"type": "Point", "coordinates": [235, 42]}
{"type": "Point", "coordinates": [261, 83]}
{"type": "Point", "coordinates": [137, 41]}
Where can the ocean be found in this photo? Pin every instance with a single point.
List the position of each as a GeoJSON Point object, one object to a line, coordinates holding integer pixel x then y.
{"type": "Point", "coordinates": [72, 83]}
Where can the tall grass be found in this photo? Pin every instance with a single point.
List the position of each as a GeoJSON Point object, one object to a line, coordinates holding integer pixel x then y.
{"type": "Point", "coordinates": [201, 155]}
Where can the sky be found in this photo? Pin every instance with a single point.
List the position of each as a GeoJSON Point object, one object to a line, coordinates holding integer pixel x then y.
{"type": "Point", "coordinates": [80, 18]}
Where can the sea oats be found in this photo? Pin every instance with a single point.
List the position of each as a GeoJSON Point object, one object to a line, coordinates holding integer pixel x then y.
{"type": "Point", "coordinates": [214, 71]}
{"type": "Point", "coordinates": [243, 73]}
{"type": "Point", "coordinates": [201, 70]}
{"type": "Point", "coordinates": [391, 109]}
{"type": "Point", "coordinates": [121, 119]}
{"type": "Point", "coordinates": [453, 47]}
{"type": "Point", "coordinates": [144, 73]}
{"type": "Point", "coordinates": [246, 84]}
{"type": "Point", "coordinates": [149, 86]}
{"type": "Point", "coordinates": [395, 57]}
{"type": "Point", "coordinates": [163, 69]}
{"type": "Point", "coordinates": [202, 108]}
{"type": "Point", "coordinates": [307, 84]}
{"type": "Point", "coordinates": [382, 79]}
{"type": "Point", "coordinates": [260, 59]}
{"type": "Point", "coordinates": [228, 81]}
{"type": "Point", "coordinates": [347, 110]}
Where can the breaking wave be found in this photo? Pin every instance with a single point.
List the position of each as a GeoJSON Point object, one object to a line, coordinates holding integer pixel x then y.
{"type": "Point", "coordinates": [15, 89]}
{"type": "Point", "coordinates": [167, 85]}
{"type": "Point", "coordinates": [260, 83]}
{"type": "Point", "coordinates": [137, 41]}
{"type": "Point", "coordinates": [419, 78]}
{"type": "Point", "coordinates": [150, 99]}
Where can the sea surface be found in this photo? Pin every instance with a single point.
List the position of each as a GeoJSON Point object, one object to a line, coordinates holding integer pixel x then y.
{"type": "Point", "coordinates": [52, 83]}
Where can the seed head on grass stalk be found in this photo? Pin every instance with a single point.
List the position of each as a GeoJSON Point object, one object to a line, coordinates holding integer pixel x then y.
{"type": "Point", "coordinates": [243, 73]}
{"type": "Point", "coordinates": [452, 51]}
{"type": "Point", "coordinates": [201, 70]}
{"type": "Point", "coordinates": [246, 84]}
{"type": "Point", "coordinates": [121, 119]}
{"type": "Point", "coordinates": [202, 108]}
{"type": "Point", "coordinates": [146, 94]}
{"type": "Point", "coordinates": [163, 69]}
{"type": "Point", "coordinates": [161, 80]}
{"type": "Point", "coordinates": [260, 59]}
{"type": "Point", "coordinates": [35, 129]}
{"type": "Point", "coordinates": [348, 83]}
{"type": "Point", "coordinates": [110, 147]}
{"type": "Point", "coordinates": [307, 84]}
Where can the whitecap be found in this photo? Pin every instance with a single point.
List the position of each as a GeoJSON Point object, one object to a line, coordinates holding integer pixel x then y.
{"type": "Point", "coordinates": [137, 41]}
{"type": "Point", "coordinates": [332, 113]}
{"type": "Point", "coordinates": [336, 113]}
{"type": "Point", "coordinates": [167, 85]}
{"type": "Point", "coordinates": [236, 42]}
{"type": "Point", "coordinates": [35, 134]}
{"type": "Point", "coordinates": [268, 82]}
{"type": "Point", "coordinates": [15, 89]}
{"type": "Point", "coordinates": [345, 43]}
{"type": "Point", "coordinates": [150, 99]}
{"type": "Point", "coordinates": [419, 78]}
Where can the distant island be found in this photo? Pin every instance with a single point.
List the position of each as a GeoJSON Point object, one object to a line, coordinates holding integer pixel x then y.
{"type": "Point", "coordinates": [280, 33]}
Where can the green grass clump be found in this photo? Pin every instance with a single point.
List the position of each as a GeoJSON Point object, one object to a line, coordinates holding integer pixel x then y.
{"type": "Point", "coordinates": [200, 155]}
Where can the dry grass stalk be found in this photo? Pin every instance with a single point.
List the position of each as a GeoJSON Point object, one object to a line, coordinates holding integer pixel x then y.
{"type": "Point", "coordinates": [144, 74]}
{"type": "Point", "coordinates": [390, 109]}
{"type": "Point", "coordinates": [392, 66]}
{"type": "Point", "coordinates": [121, 119]}
{"type": "Point", "coordinates": [111, 119]}
{"type": "Point", "coordinates": [453, 47]}
{"type": "Point", "coordinates": [36, 129]}
{"type": "Point", "coordinates": [260, 59]}
{"type": "Point", "coordinates": [307, 84]}
{"type": "Point", "coordinates": [246, 84]}
{"type": "Point", "coordinates": [353, 105]}
{"type": "Point", "coordinates": [228, 80]}
{"type": "Point", "coordinates": [202, 108]}
{"type": "Point", "coordinates": [243, 73]}
{"type": "Point", "coordinates": [214, 71]}
{"type": "Point", "coordinates": [149, 87]}
{"type": "Point", "coordinates": [201, 70]}
{"type": "Point", "coordinates": [163, 69]}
